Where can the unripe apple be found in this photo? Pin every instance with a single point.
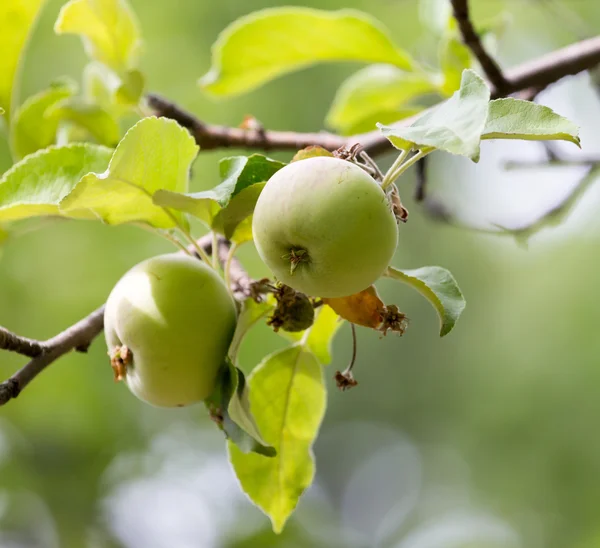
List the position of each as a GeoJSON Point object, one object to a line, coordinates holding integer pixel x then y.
{"type": "Point", "coordinates": [168, 323]}
{"type": "Point", "coordinates": [325, 227]}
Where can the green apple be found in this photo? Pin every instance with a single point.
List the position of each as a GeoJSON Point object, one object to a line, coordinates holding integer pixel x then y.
{"type": "Point", "coordinates": [168, 323]}
{"type": "Point", "coordinates": [325, 227]}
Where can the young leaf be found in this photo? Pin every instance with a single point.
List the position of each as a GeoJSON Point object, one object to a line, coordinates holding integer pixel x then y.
{"type": "Point", "coordinates": [374, 90]}
{"type": "Point", "coordinates": [92, 117]}
{"type": "Point", "coordinates": [268, 43]}
{"type": "Point", "coordinates": [439, 287]}
{"type": "Point", "coordinates": [517, 119]}
{"type": "Point", "coordinates": [16, 21]}
{"type": "Point", "coordinates": [251, 313]}
{"type": "Point", "coordinates": [321, 334]}
{"type": "Point", "coordinates": [230, 407]}
{"type": "Point", "coordinates": [454, 126]}
{"type": "Point", "coordinates": [239, 412]}
{"type": "Point", "coordinates": [32, 128]}
{"type": "Point", "coordinates": [155, 154]}
{"type": "Point", "coordinates": [116, 93]}
{"type": "Point", "coordinates": [36, 185]}
{"type": "Point", "coordinates": [230, 202]}
{"type": "Point", "coordinates": [108, 29]}
{"type": "Point", "coordinates": [287, 394]}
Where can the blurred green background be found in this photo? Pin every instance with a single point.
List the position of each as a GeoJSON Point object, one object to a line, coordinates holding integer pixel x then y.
{"type": "Point", "coordinates": [485, 438]}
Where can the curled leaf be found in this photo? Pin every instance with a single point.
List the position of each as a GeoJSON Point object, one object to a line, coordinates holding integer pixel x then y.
{"type": "Point", "coordinates": [364, 308]}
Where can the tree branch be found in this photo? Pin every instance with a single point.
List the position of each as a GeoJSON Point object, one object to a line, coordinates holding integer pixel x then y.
{"type": "Point", "coordinates": [81, 334]}
{"type": "Point", "coordinates": [210, 137]}
{"type": "Point", "coordinates": [471, 39]}
{"type": "Point", "coordinates": [533, 75]}
{"type": "Point", "coordinates": [14, 343]}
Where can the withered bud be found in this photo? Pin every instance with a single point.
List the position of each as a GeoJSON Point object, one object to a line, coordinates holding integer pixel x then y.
{"type": "Point", "coordinates": [120, 358]}
{"type": "Point", "coordinates": [294, 312]}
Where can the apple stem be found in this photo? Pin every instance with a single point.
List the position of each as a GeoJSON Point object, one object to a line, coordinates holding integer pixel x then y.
{"type": "Point", "coordinates": [402, 164]}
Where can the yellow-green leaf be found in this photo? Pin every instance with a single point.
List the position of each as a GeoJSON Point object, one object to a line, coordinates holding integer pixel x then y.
{"type": "Point", "coordinates": [97, 121]}
{"type": "Point", "coordinates": [272, 42]}
{"type": "Point", "coordinates": [35, 186]}
{"type": "Point", "coordinates": [32, 128]}
{"type": "Point", "coordinates": [155, 154]}
{"type": "Point", "coordinates": [439, 287]}
{"type": "Point", "coordinates": [373, 90]}
{"type": "Point", "coordinates": [108, 28]}
{"type": "Point", "coordinates": [287, 395]}
{"type": "Point", "coordinates": [17, 18]}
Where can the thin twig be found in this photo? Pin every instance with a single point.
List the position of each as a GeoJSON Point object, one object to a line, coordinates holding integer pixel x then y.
{"type": "Point", "coordinates": [471, 39]}
{"type": "Point", "coordinates": [14, 343]}
{"type": "Point", "coordinates": [78, 335]}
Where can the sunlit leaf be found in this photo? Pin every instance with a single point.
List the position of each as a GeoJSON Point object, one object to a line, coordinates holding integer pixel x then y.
{"type": "Point", "coordinates": [454, 58]}
{"type": "Point", "coordinates": [17, 18]}
{"type": "Point", "coordinates": [155, 154]}
{"type": "Point", "coordinates": [32, 129]}
{"type": "Point", "coordinates": [454, 126]}
{"type": "Point", "coordinates": [373, 90]}
{"type": "Point", "coordinates": [108, 28]}
{"type": "Point", "coordinates": [321, 335]}
{"type": "Point", "coordinates": [439, 287]}
{"type": "Point", "coordinates": [287, 395]}
{"type": "Point", "coordinates": [229, 203]}
{"type": "Point", "coordinates": [229, 406]}
{"type": "Point", "coordinates": [272, 42]}
{"type": "Point", "coordinates": [364, 308]}
{"type": "Point", "coordinates": [516, 119]}
{"type": "Point", "coordinates": [101, 125]}
{"type": "Point", "coordinates": [35, 186]}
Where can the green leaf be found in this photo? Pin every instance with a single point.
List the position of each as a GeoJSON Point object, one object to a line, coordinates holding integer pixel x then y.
{"type": "Point", "coordinates": [239, 208]}
{"type": "Point", "coordinates": [16, 21]}
{"type": "Point", "coordinates": [36, 185]}
{"type": "Point", "coordinates": [439, 287]}
{"type": "Point", "coordinates": [322, 331]}
{"type": "Point", "coordinates": [251, 313]}
{"type": "Point", "coordinates": [229, 203]}
{"type": "Point", "coordinates": [454, 126]}
{"type": "Point", "coordinates": [454, 58]}
{"type": "Point", "coordinates": [155, 154]}
{"type": "Point", "coordinates": [268, 43]}
{"type": "Point", "coordinates": [372, 90]}
{"type": "Point", "coordinates": [287, 394]}
{"type": "Point", "coordinates": [517, 119]}
{"type": "Point", "coordinates": [33, 128]}
{"type": "Point", "coordinates": [230, 405]}
{"type": "Point", "coordinates": [108, 29]}
{"type": "Point", "coordinates": [92, 117]}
